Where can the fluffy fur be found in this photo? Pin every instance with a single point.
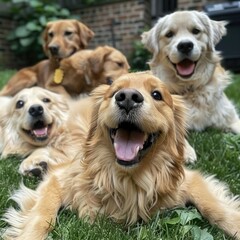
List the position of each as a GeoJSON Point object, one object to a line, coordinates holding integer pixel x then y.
{"type": "Point", "coordinates": [87, 69]}
{"type": "Point", "coordinates": [132, 166]}
{"type": "Point", "coordinates": [184, 57]}
{"type": "Point", "coordinates": [61, 38]}
{"type": "Point", "coordinates": [33, 125]}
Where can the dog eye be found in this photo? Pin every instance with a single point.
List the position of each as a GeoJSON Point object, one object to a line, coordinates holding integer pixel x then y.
{"type": "Point", "coordinates": [46, 100]}
{"type": "Point", "coordinates": [19, 104]}
{"type": "Point", "coordinates": [169, 34]}
{"type": "Point", "coordinates": [195, 31]}
{"type": "Point", "coordinates": [157, 95]}
{"type": "Point", "coordinates": [109, 80]}
{"type": "Point", "coordinates": [120, 64]}
{"type": "Point", "coordinates": [50, 34]}
{"type": "Point", "coordinates": [68, 33]}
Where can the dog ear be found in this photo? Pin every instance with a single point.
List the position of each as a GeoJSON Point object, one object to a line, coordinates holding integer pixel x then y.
{"type": "Point", "coordinates": [149, 40]}
{"type": "Point", "coordinates": [96, 60]}
{"type": "Point", "coordinates": [85, 34]}
{"type": "Point", "coordinates": [180, 122]}
{"type": "Point", "coordinates": [215, 29]}
{"type": "Point", "coordinates": [45, 38]}
{"type": "Point", "coordinates": [97, 96]}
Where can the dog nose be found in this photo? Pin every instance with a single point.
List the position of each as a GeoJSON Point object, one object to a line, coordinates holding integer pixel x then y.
{"type": "Point", "coordinates": [185, 47]}
{"type": "Point", "coordinates": [129, 99]}
{"type": "Point", "coordinates": [54, 50]}
{"type": "Point", "coordinates": [36, 110]}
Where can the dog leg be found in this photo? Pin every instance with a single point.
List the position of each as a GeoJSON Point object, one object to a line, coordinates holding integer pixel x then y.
{"type": "Point", "coordinates": [38, 211]}
{"type": "Point", "coordinates": [40, 160]}
{"type": "Point", "coordinates": [214, 201]}
{"type": "Point", "coordinates": [189, 153]}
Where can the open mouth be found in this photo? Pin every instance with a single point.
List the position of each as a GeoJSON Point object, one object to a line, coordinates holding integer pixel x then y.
{"type": "Point", "coordinates": [130, 143]}
{"type": "Point", "coordinates": [40, 131]}
{"type": "Point", "coordinates": [185, 68]}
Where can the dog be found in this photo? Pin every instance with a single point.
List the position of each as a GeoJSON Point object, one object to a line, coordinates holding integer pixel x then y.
{"type": "Point", "coordinates": [62, 38]}
{"type": "Point", "coordinates": [34, 127]}
{"type": "Point", "coordinates": [131, 166]}
{"type": "Point", "coordinates": [85, 70]}
{"type": "Point", "coordinates": [184, 57]}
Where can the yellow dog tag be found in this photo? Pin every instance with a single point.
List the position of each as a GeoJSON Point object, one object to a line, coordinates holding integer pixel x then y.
{"type": "Point", "coordinates": [58, 76]}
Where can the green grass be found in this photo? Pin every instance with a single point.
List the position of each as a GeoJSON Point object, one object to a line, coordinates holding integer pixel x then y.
{"type": "Point", "coordinates": [218, 154]}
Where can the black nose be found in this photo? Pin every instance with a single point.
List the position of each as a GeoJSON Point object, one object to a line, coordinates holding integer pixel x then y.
{"type": "Point", "coordinates": [185, 47]}
{"type": "Point", "coordinates": [54, 49]}
{"type": "Point", "coordinates": [129, 99]}
{"type": "Point", "coordinates": [36, 110]}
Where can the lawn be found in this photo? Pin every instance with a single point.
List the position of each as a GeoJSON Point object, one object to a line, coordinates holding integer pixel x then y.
{"type": "Point", "coordinates": [218, 154]}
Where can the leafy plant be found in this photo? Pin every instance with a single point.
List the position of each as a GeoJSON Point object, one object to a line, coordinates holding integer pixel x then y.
{"type": "Point", "coordinates": [140, 57]}
{"type": "Point", "coordinates": [31, 17]}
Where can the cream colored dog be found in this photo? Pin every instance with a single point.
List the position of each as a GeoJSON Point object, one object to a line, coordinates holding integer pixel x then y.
{"type": "Point", "coordinates": [33, 126]}
{"type": "Point", "coordinates": [184, 57]}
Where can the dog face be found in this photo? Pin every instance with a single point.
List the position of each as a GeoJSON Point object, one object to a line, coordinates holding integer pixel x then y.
{"type": "Point", "coordinates": [183, 41]}
{"type": "Point", "coordinates": [62, 38]}
{"type": "Point", "coordinates": [107, 64]}
{"type": "Point", "coordinates": [137, 117]}
{"type": "Point", "coordinates": [87, 69]}
{"type": "Point", "coordinates": [34, 114]}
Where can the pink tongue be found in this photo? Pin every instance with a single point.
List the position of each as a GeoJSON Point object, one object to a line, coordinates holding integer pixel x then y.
{"type": "Point", "coordinates": [185, 67]}
{"type": "Point", "coordinates": [127, 144]}
{"type": "Point", "coordinates": [40, 132]}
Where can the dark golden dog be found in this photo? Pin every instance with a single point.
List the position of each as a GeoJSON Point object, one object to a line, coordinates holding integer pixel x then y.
{"type": "Point", "coordinates": [132, 166]}
{"type": "Point", "coordinates": [87, 69]}
{"type": "Point", "coordinates": [62, 38]}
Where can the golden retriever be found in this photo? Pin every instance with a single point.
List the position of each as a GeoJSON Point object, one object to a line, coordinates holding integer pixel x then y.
{"type": "Point", "coordinates": [184, 57]}
{"type": "Point", "coordinates": [62, 38]}
{"type": "Point", "coordinates": [87, 69]}
{"type": "Point", "coordinates": [132, 166]}
{"type": "Point", "coordinates": [33, 126]}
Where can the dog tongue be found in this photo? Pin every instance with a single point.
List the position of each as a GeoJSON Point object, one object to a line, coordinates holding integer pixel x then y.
{"type": "Point", "coordinates": [185, 67]}
{"type": "Point", "coordinates": [40, 132]}
{"type": "Point", "coordinates": [127, 143]}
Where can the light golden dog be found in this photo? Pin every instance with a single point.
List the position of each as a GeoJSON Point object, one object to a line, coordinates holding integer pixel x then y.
{"type": "Point", "coordinates": [184, 57]}
{"type": "Point", "coordinates": [62, 38]}
{"type": "Point", "coordinates": [132, 166]}
{"type": "Point", "coordinates": [33, 126]}
{"type": "Point", "coordinates": [87, 69]}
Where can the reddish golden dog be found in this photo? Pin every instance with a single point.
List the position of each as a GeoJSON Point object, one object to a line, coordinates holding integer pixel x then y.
{"type": "Point", "coordinates": [132, 166]}
{"type": "Point", "coordinates": [87, 69]}
{"type": "Point", "coordinates": [62, 38]}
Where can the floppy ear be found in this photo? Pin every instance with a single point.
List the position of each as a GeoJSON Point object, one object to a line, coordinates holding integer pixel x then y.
{"type": "Point", "coordinates": [180, 122]}
{"type": "Point", "coordinates": [149, 40]}
{"type": "Point", "coordinates": [97, 58]}
{"type": "Point", "coordinates": [97, 96]}
{"type": "Point", "coordinates": [85, 34]}
{"type": "Point", "coordinates": [45, 38]}
{"type": "Point", "coordinates": [215, 29]}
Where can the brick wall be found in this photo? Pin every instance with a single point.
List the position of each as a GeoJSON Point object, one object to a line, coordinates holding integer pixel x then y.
{"type": "Point", "coordinates": [117, 24]}
{"type": "Point", "coordinates": [7, 58]}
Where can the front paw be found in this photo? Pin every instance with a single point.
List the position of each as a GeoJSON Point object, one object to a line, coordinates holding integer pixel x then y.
{"type": "Point", "coordinates": [33, 168]}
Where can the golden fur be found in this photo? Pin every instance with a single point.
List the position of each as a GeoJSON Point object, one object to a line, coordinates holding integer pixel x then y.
{"type": "Point", "coordinates": [184, 57]}
{"type": "Point", "coordinates": [34, 126]}
{"type": "Point", "coordinates": [132, 166]}
{"type": "Point", "coordinates": [62, 38]}
{"type": "Point", "coordinates": [87, 69]}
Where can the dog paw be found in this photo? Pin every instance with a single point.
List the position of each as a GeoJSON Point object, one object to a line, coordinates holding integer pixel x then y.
{"type": "Point", "coordinates": [190, 155]}
{"type": "Point", "coordinates": [36, 169]}
{"type": "Point", "coordinates": [235, 127]}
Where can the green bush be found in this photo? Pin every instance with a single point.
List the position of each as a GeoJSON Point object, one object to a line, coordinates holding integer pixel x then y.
{"type": "Point", "coordinates": [140, 57]}
{"type": "Point", "coordinates": [31, 17]}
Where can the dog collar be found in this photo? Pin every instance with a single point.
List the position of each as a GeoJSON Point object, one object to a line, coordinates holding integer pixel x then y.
{"type": "Point", "coordinates": [58, 76]}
